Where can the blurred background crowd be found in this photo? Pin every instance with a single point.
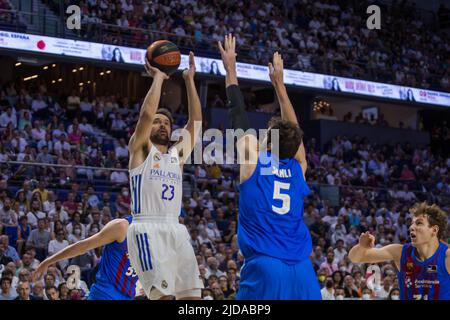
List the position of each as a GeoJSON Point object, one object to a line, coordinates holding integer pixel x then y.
{"type": "Point", "coordinates": [64, 157]}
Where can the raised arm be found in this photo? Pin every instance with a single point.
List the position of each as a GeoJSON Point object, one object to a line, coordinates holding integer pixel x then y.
{"type": "Point", "coordinates": [365, 251]}
{"type": "Point", "coordinates": [194, 124]}
{"type": "Point", "coordinates": [115, 230]}
{"type": "Point", "coordinates": [141, 136]}
{"type": "Point", "coordinates": [287, 110]}
{"type": "Point", "coordinates": [247, 144]}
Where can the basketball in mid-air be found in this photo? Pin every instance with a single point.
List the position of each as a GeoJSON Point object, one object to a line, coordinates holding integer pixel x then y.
{"type": "Point", "coordinates": [164, 55]}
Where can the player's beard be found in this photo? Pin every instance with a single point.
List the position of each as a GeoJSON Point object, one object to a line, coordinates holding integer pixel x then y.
{"type": "Point", "coordinates": [160, 138]}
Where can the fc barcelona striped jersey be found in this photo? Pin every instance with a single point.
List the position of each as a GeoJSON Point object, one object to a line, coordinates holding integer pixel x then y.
{"type": "Point", "coordinates": [424, 280]}
{"type": "Point", "coordinates": [115, 268]}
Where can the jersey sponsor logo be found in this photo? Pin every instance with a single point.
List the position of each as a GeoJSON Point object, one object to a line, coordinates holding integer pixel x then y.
{"type": "Point", "coordinates": [164, 175]}
{"type": "Point", "coordinates": [432, 268]}
{"type": "Point", "coordinates": [420, 283]}
{"type": "Point", "coordinates": [282, 173]}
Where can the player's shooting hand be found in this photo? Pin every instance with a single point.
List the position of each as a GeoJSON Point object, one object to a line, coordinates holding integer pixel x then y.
{"type": "Point", "coordinates": [276, 69]}
{"type": "Point", "coordinates": [188, 74]}
{"type": "Point", "coordinates": [367, 240]}
{"type": "Point", "coordinates": [228, 52]}
{"type": "Point", "coordinates": [154, 72]}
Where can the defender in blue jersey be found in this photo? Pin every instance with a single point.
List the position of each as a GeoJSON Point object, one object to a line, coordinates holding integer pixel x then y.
{"type": "Point", "coordinates": [115, 279]}
{"type": "Point", "coordinates": [272, 235]}
{"type": "Point", "coordinates": [424, 264]}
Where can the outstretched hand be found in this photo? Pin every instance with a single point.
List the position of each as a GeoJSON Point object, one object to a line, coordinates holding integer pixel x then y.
{"type": "Point", "coordinates": [367, 240]}
{"type": "Point", "coordinates": [276, 69]}
{"type": "Point", "coordinates": [228, 52]}
{"type": "Point", "coordinates": [188, 74]}
{"type": "Point", "coordinates": [154, 72]}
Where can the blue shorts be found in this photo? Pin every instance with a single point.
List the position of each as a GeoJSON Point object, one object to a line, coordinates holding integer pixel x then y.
{"type": "Point", "coordinates": [106, 292]}
{"type": "Point", "coordinates": [267, 278]}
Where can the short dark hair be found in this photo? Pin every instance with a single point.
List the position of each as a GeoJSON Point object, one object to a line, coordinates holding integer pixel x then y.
{"type": "Point", "coordinates": [50, 287]}
{"type": "Point", "coordinates": [3, 279]}
{"type": "Point", "coordinates": [167, 113]}
{"type": "Point", "coordinates": [290, 137]}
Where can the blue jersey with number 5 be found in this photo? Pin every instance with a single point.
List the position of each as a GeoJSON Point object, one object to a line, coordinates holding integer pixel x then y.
{"type": "Point", "coordinates": [271, 211]}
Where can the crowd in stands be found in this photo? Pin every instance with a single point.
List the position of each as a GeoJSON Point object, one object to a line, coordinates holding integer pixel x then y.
{"type": "Point", "coordinates": [324, 36]}
{"type": "Point", "coordinates": [43, 209]}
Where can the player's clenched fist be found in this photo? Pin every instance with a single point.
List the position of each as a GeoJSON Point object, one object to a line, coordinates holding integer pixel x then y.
{"type": "Point", "coordinates": [367, 240]}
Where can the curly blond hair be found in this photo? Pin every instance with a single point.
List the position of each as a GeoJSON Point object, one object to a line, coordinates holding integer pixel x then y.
{"type": "Point", "coordinates": [436, 216]}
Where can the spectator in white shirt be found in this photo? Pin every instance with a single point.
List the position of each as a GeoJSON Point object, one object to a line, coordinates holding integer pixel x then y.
{"type": "Point", "coordinates": [35, 213]}
{"type": "Point", "coordinates": [339, 252]}
{"type": "Point", "coordinates": [119, 177]}
{"type": "Point", "coordinates": [383, 292]}
{"type": "Point", "coordinates": [85, 105]}
{"type": "Point", "coordinates": [127, 6]}
{"type": "Point", "coordinates": [58, 213]}
{"type": "Point", "coordinates": [62, 144]}
{"type": "Point", "coordinates": [85, 127]}
{"type": "Point", "coordinates": [118, 124]}
{"type": "Point", "coordinates": [60, 130]}
{"type": "Point", "coordinates": [122, 150]}
{"type": "Point", "coordinates": [8, 117]}
{"type": "Point", "coordinates": [38, 132]}
{"type": "Point", "coordinates": [57, 245]}
{"type": "Point", "coordinates": [328, 290]}
{"type": "Point", "coordinates": [18, 142]}
{"type": "Point", "coordinates": [38, 104]}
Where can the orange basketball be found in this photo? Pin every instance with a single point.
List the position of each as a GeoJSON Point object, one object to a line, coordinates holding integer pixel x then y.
{"type": "Point", "coordinates": [164, 55]}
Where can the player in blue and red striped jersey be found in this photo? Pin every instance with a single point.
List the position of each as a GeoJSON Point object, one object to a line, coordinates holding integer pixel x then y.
{"type": "Point", "coordinates": [424, 264]}
{"type": "Point", "coordinates": [115, 279]}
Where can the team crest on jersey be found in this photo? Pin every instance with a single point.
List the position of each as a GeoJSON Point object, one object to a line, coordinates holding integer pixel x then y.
{"type": "Point", "coordinates": [173, 160]}
{"type": "Point", "coordinates": [164, 284]}
{"type": "Point", "coordinates": [409, 266]}
{"type": "Point", "coordinates": [157, 157]}
{"type": "Point", "coordinates": [432, 268]}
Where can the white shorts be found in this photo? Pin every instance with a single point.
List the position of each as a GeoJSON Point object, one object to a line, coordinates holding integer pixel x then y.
{"type": "Point", "coordinates": [163, 258]}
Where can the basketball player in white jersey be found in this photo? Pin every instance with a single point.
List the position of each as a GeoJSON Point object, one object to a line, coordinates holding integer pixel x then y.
{"type": "Point", "coordinates": [158, 245]}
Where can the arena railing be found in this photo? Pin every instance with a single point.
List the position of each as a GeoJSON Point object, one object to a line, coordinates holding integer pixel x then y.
{"type": "Point", "coordinates": [334, 193]}
{"type": "Point", "coordinates": [141, 38]}
{"type": "Point", "coordinates": [106, 184]}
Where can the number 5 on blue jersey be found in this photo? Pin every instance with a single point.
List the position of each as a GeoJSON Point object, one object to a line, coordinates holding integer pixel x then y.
{"type": "Point", "coordinates": [285, 198]}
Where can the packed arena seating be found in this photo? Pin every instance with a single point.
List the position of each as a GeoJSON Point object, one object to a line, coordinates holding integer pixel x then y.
{"type": "Point", "coordinates": [319, 36]}
{"type": "Point", "coordinates": [45, 208]}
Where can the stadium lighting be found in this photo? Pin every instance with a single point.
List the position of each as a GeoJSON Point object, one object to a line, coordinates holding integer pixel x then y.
{"type": "Point", "coordinates": [53, 65]}
{"type": "Point", "coordinates": [18, 64]}
{"type": "Point", "coordinates": [81, 68]}
{"type": "Point", "coordinates": [102, 73]}
{"type": "Point", "coordinates": [45, 68]}
{"type": "Point", "coordinates": [108, 72]}
{"type": "Point", "coordinates": [89, 82]}
{"type": "Point", "coordinates": [60, 79]}
{"type": "Point", "coordinates": [53, 81]}
{"type": "Point", "coordinates": [74, 70]}
{"type": "Point", "coordinates": [81, 84]}
{"type": "Point", "coordinates": [30, 78]}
